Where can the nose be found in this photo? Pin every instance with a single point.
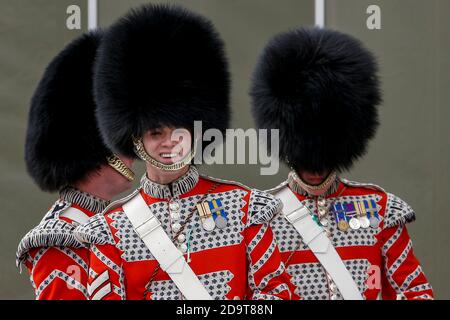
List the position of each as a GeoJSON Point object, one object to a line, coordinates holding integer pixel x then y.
{"type": "Point", "coordinates": [168, 139]}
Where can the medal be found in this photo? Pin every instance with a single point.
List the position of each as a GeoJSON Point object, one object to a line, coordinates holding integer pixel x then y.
{"type": "Point", "coordinates": [340, 217]}
{"type": "Point", "coordinates": [349, 209]}
{"type": "Point", "coordinates": [343, 225]}
{"type": "Point", "coordinates": [206, 216]}
{"type": "Point", "coordinates": [354, 223]}
{"type": "Point", "coordinates": [361, 211]}
{"type": "Point", "coordinates": [221, 222]}
{"type": "Point", "coordinates": [218, 214]}
{"type": "Point", "coordinates": [365, 222]}
{"type": "Point", "coordinates": [352, 214]}
{"type": "Point", "coordinates": [374, 222]}
{"type": "Point", "coordinates": [372, 213]}
{"type": "Point", "coordinates": [208, 224]}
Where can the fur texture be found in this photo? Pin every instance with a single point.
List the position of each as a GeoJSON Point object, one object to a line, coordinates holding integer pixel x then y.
{"type": "Point", "coordinates": [63, 143]}
{"type": "Point", "coordinates": [320, 88]}
{"type": "Point", "coordinates": [160, 66]}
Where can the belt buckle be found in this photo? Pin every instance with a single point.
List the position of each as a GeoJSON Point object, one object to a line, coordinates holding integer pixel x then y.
{"type": "Point", "coordinates": [297, 215]}
{"type": "Point", "coordinates": [148, 227]}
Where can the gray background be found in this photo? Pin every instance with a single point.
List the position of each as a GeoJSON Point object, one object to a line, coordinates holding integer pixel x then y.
{"type": "Point", "coordinates": [409, 156]}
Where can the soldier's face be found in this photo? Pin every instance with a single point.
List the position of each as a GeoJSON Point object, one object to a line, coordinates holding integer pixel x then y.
{"type": "Point", "coordinates": [313, 178]}
{"type": "Point", "coordinates": [167, 145]}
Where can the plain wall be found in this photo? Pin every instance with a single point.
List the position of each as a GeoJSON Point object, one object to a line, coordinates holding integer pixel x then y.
{"type": "Point", "coordinates": [411, 153]}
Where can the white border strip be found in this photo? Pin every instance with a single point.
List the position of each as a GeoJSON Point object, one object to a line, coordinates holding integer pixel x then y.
{"type": "Point", "coordinates": [319, 8]}
{"type": "Point", "coordinates": [92, 14]}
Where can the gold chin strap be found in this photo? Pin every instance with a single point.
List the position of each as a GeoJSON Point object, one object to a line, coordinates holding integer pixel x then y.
{"type": "Point", "coordinates": [321, 187]}
{"type": "Point", "coordinates": [141, 153]}
{"type": "Point", "coordinates": [120, 167]}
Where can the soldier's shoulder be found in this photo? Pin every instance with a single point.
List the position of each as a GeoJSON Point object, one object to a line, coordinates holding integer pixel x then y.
{"type": "Point", "coordinates": [95, 231]}
{"type": "Point", "coordinates": [263, 207]}
{"type": "Point", "coordinates": [116, 206]}
{"type": "Point", "coordinates": [398, 212]}
{"type": "Point", "coordinates": [52, 231]}
{"type": "Point", "coordinates": [225, 182]}
{"type": "Point", "coordinates": [278, 188]}
{"type": "Point", "coordinates": [364, 185]}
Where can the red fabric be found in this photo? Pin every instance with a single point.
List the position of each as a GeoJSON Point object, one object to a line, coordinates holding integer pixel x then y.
{"type": "Point", "coordinates": [239, 259]}
{"type": "Point", "coordinates": [45, 264]}
{"type": "Point", "coordinates": [392, 280]}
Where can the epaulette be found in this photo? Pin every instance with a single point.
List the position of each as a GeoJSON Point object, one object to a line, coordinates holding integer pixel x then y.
{"type": "Point", "coordinates": [239, 184]}
{"type": "Point", "coordinates": [398, 212]}
{"type": "Point", "coordinates": [361, 184]}
{"type": "Point", "coordinates": [277, 188]}
{"type": "Point", "coordinates": [95, 231]}
{"type": "Point", "coordinates": [262, 207]}
{"type": "Point", "coordinates": [50, 232]}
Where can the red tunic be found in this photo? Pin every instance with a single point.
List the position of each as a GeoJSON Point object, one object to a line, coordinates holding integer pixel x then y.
{"type": "Point", "coordinates": [56, 261]}
{"type": "Point", "coordinates": [381, 259]}
{"type": "Point", "coordinates": [241, 260]}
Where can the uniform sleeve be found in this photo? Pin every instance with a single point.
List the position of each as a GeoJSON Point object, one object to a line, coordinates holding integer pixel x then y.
{"type": "Point", "coordinates": [267, 276]}
{"type": "Point", "coordinates": [105, 274]}
{"type": "Point", "coordinates": [58, 273]}
{"type": "Point", "coordinates": [403, 277]}
{"type": "Point", "coordinates": [56, 261]}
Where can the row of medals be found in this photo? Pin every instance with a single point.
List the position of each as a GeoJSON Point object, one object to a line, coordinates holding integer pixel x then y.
{"type": "Point", "coordinates": [208, 222]}
{"type": "Point", "coordinates": [355, 223]}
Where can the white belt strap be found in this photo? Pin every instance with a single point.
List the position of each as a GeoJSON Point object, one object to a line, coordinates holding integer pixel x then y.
{"type": "Point", "coordinates": [162, 248]}
{"type": "Point", "coordinates": [316, 239]}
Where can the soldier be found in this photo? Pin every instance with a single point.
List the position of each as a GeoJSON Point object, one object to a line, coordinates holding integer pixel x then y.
{"type": "Point", "coordinates": [339, 239]}
{"type": "Point", "coordinates": [181, 235]}
{"type": "Point", "coordinates": [64, 152]}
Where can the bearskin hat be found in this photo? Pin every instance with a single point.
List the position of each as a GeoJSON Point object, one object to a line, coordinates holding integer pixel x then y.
{"type": "Point", "coordinates": [63, 143]}
{"type": "Point", "coordinates": [320, 88]}
{"type": "Point", "coordinates": [160, 65]}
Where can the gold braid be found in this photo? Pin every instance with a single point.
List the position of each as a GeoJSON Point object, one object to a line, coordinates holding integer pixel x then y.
{"type": "Point", "coordinates": [120, 167]}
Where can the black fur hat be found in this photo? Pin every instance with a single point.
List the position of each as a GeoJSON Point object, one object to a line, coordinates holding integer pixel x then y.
{"type": "Point", "coordinates": [320, 88]}
{"type": "Point", "coordinates": [63, 143]}
{"type": "Point", "coordinates": [159, 66]}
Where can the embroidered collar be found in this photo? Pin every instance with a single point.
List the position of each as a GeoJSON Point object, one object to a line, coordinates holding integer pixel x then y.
{"type": "Point", "coordinates": [296, 187]}
{"type": "Point", "coordinates": [83, 199]}
{"type": "Point", "coordinates": [180, 186]}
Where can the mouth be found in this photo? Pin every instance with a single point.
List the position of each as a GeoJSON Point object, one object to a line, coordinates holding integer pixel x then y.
{"type": "Point", "coordinates": [170, 157]}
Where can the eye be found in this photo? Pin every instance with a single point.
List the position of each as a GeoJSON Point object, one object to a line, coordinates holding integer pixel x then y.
{"type": "Point", "coordinates": [155, 133]}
